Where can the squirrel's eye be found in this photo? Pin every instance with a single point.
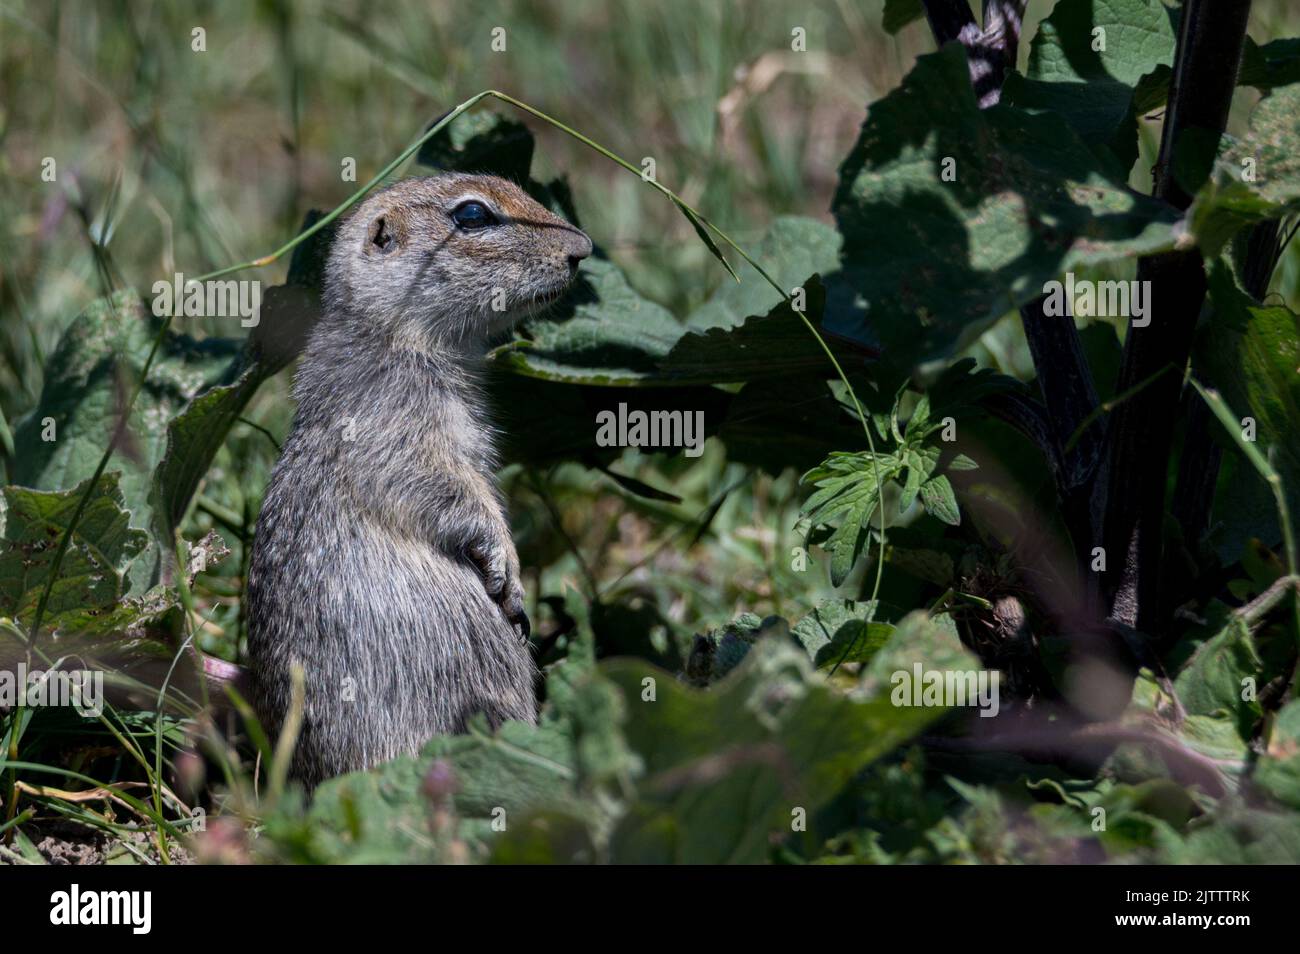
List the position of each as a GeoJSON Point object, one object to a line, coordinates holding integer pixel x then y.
{"type": "Point", "coordinates": [473, 215]}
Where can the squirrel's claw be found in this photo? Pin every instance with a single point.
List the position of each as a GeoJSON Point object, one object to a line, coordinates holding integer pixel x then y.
{"type": "Point", "coordinates": [500, 574]}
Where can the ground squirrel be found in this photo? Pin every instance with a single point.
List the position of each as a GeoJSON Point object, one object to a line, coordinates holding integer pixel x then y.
{"type": "Point", "coordinates": [383, 561]}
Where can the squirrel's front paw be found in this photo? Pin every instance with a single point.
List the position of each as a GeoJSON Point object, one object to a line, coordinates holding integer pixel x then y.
{"type": "Point", "coordinates": [498, 564]}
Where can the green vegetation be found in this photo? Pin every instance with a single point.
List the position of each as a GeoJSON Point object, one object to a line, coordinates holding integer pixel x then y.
{"type": "Point", "coordinates": [892, 483]}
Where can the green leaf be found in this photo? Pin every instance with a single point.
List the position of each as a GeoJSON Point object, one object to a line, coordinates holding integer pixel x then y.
{"type": "Point", "coordinates": [725, 767]}
{"type": "Point", "coordinates": [782, 424]}
{"type": "Point", "coordinates": [1276, 63]}
{"type": "Point", "coordinates": [1230, 198]}
{"type": "Point", "coordinates": [793, 250]}
{"type": "Point", "coordinates": [1211, 684]}
{"type": "Point", "coordinates": [773, 345]}
{"type": "Point", "coordinates": [920, 419]}
{"type": "Point", "coordinates": [381, 816]}
{"type": "Point", "coordinates": [92, 576]}
{"type": "Point", "coordinates": [193, 438]}
{"type": "Point", "coordinates": [940, 501]}
{"type": "Point", "coordinates": [930, 264]}
{"type": "Point", "coordinates": [962, 387]}
{"type": "Point", "coordinates": [846, 494]}
{"type": "Point", "coordinates": [931, 641]}
{"type": "Point", "coordinates": [605, 333]}
{"type": "Point", "coordinates": [716, 653]}
{"type": "Point", "coordinates": [841, 631]}
{"type": "Point", "coordinates": [706, 237]}
{"type": "Point", "coordinates": [899, 13]}
{"type": "Point", "coordinates": [921, 550]}
{"type": "Point", "coordinates": [1278, 771]}
{"type": "Point", "coordinates": [921, 463]}
{"type": "Point", "coordinates": [87, 382]}
{"type": "Point", "coordinates": [482, 142]}
{"type": "Point", "coordinates": [1095, 90]}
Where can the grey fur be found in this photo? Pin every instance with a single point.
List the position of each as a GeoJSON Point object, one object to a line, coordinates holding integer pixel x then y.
{"type": "Point", "coordinates": [383, 562]}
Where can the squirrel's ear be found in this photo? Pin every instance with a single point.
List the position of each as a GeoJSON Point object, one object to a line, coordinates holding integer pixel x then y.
{"type": "Point", "coordinates": [381, 237]}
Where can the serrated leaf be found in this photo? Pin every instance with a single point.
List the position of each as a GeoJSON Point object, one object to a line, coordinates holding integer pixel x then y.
{"type": "Point", "coordinates": [940, 501]}
{"type": "Point", "coordinates": [722, 765]}
{"type": "Point", "coordinates": [92, 575]}
{"type": "Point", "coordinates": [87, 382]}
{"type": "Point", "coordinates": [846, 494]}
{"type": "Point", "coordinates": [921, 463]}
{"type": "Point", "coordinates": [920, 418]}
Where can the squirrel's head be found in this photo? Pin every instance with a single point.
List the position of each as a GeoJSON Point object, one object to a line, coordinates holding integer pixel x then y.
{"type": "Point", "coordinates": [450, 260]}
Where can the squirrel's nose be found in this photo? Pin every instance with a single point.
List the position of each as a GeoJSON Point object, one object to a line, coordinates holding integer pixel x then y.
{"type": "Point", "coordinates": [578, 247]}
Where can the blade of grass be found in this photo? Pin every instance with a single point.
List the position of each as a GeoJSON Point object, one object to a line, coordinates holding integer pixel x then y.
{"type": "Point", "coordinates": [1265, 468]}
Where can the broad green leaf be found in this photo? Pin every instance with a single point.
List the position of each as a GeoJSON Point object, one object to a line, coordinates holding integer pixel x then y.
{"type": "Point", "coordinates": [961, 388]}
{"type": "Point", "coordinates": [1254, 178]}
{"type": "Point", "coordinates": [193, 438]}
{"type": "Point", "coordinates": [383, 816]}
{"type": "Point", "coordinates": [782, 424]}
{"type": "Point", "coordinates": [930, 641]}
{"type": "Point", "coordinates": [1212, 682]}
{"type": "Point", "coordinates": [88, 379]}
{"type": "Point", "coordinates": [921, 550]}
{"type": "Point", "coordinates": [793, 250]}
{"type": "Point", "coordinates": [605, 333]}
{"type": "Point", "coordinates": [92, 576]}
{"type": "Point", "coordinates": [1238, 835]}
{"type": "Point", "coordinates": [716, 653]}
{"type": "Point", "coordinates": [841, 631]}
{"type": "Point", "coordinates": [483, 142]}
{"type": "Point", "coordinates": [725, 768]}
{"type": "Point", "coordinates": [1278, 770]}
{"type": "Point", "coordinates": [773, 345]}
{"type": "Point", "coordinates": [929, 264]}
{"type": "Point", "coordinates": [1090, 78]}
{"type": "Point", "coordinates": [1276, 63]}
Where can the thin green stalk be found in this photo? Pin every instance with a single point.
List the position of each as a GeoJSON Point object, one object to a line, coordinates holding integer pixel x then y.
{"type": "Point", "coordinates": [1265, 468]}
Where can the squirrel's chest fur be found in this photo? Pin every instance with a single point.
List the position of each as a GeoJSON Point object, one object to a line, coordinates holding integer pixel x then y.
{"type": "Point", "coordinates": [396, 635]}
